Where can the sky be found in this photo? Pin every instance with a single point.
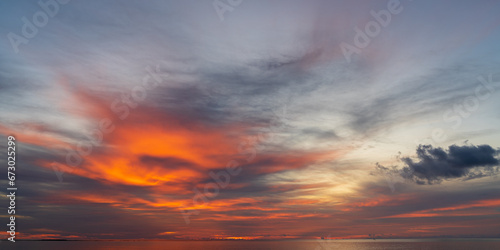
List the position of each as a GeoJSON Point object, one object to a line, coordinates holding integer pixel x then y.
{"type": "Point", "coordinates": [251, 119]}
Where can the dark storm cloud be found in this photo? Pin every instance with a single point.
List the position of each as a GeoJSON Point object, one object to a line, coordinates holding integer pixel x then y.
{"type": "Point", "coordinates": [433, 165]}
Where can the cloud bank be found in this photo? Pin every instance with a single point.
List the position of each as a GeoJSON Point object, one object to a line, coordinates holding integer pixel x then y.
{"type": "Point", "coordinates": [432, 165]}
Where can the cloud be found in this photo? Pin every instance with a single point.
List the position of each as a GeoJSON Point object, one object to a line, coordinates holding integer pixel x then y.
{"type": "Point", "coordinates": [225, 86]}
{"type": "Point", "coordinates": [434, 165]}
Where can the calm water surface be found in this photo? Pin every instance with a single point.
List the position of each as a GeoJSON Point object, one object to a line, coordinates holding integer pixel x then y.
{"type": "Point", "coordinates": [426, 244]}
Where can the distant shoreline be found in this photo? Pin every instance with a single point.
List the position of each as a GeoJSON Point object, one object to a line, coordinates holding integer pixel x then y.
{"type": "Point", "coordinates": [367, 239]}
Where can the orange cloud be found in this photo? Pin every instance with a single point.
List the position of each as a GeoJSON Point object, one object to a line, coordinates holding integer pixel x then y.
{"type": "Point", "coordinates": [33, 134]}
{"type": "Point", "coordinates": [453, 211]}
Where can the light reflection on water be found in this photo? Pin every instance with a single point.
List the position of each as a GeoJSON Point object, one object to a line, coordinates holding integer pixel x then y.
{"type": "Point", "coordinates": [426, 244]}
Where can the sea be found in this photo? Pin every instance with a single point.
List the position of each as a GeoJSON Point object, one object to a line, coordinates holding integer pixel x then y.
{"type": "Point", "coordinates": [379, 244]}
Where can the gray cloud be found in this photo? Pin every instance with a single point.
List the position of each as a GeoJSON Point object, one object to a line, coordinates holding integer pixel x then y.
{"type": "Point", "coordinates": [433, 165]}
{"type": "Point", "coordinates": [418, 97]}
